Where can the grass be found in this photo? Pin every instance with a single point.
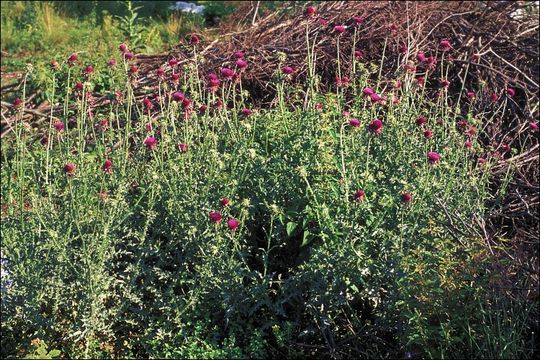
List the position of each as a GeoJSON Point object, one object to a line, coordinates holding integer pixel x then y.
{"type": "Point", "coordinates": [37, 32]}
{"type": "Point", "coordinates": [129, 262]}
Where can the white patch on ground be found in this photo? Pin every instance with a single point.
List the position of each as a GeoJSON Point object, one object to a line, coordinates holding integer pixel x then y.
{"type": "Point", "coordinates": [187, 7]}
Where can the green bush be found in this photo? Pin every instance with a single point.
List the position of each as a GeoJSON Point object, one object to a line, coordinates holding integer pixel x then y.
{"type": "Point", "coordinates": [130, 264]}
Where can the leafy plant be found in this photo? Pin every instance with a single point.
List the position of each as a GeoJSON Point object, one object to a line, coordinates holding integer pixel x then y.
{"type": "Point", "coordinates": [131, 26]}
{"type": "Point", "coordinates": [41, 351]}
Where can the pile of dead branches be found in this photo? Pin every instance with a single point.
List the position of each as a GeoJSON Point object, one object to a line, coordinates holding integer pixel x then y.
{"type": "Point", "coordinates": [495, 42]}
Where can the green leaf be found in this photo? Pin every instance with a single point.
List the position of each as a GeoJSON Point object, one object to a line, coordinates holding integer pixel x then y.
{"type": "Point", "coordinates": [291, 227]}
{"type": "Point", "coordinates": [307, 238]}
{"type": "Point", "coordinates": [54, 353]}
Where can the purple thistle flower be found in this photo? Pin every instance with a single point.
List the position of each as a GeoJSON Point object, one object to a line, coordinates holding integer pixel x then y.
{"type": "Point", "coordinates": [150, 143]}
{"type": "Point", "coordinates": [233, 224]}
{"type": "Point", "coordinates": [215, 216]}
{"type": "Point", "coordinates": [433, 157]}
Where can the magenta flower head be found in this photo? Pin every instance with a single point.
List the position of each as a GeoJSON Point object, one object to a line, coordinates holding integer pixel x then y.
{"type": "Point", "coordinates": [183, 147]}
{"type": "Point", "coordinates": [533, 126]}
{"type": "Point", "coordinates": [218, 104]}
{"type": "Point", "coordinates": [406, 197]}
{"type": "Point", "coordinates": [104, 124]}
{"type": "Point", "coordinates": [368, 91]}
{"type": "Point", "coordinates": [462, 125]}
{"type": "Point", "coordinates": [227, 73]}
{"type": "Point", "coordinates": [287, 70]}
{"type": "Point", "coordinates": [420, 80]}
{"type": "Point", "coordinates": [123, 48]}
{"type": "Point", "coordinates": [506, 148]}
{"type": "Point", "coordinates": [148, 103]}
{"type": "Point", "coordinates": [194, 40]}
{"type": "Point", "coordinates": [494, 97]}
{"type": "Point", "coordinates": [215, 216]}
{"type": "Point", "coordinates": [79, 86]}
{"type": "Point", "coordinates": [433, 157]}
{"type": "Point", "coordinates": [241, 63]}
{"type": "Point", "coordinates": [150, 143]}
{"type": "Point", "coordinates": [468, 144]}
{"type": "Point", "coordinates": [187, 104]}
{"type": "Point", "coordinates": [238, 54]}
{"type": "Point", "coordinates": [213, 82]}
{"type": "Point", "coordinates": [178, 96]}
{"type": "Point", "coordinates": [471, 95]}
{"type": "Point", "coordinates": [70, 168]}
{"type": "Point", "coordinates": [358, 54]}
{"type": "Point", "coordinates": [421, 120]}
{"type": "Point", "coordinates": [224, 201]}
{"type": "Point", "coordinates": [88, 70]}
{"type": "Point", "coordinates": [202, 108]}
{"type": "Point", "coordinates": [160, 72]}
{"type": "Point", "coordinates": [107, 167]}
{"type": "Point", "coordinates": [311, 11]}
{"type": "Point", "coordinates": [431, 62]}
{"type": "Point", "coordinates": [358, 19]}
{"type": "Point", "coordinates": [233, 224]}
{"type": "Point", "coordinates": [128, 55]}
{"type": "Point", "coordinates": [59, 126]}
{"type": "Point", "coordinates": [421, 56]}
{"type": "Point", "coordinates": [444, 83]}
{"type": "Point", "coordinates": [359, 195]}
{"type": "Point", "coordinates": [175, 78]}
{"type": "Point", "coordinates": [354, 122]}
{"type": "Point", "coordinates": [445, 45]}
{"type": "Point", "coordinates": [73, 58]}
{"type": "Point", "coordinates": [133, 69]}
{"type": "Point", "coordinates": [17, 103]}
{"type": "Point", "coordinates": [119, 96]}
{"type": "Point", "coordinates": [342, 81]}
{"type": "Point", "coordinates": [428, 134]}
{"type": "Point", "coordinates": [340, 29]}
{"type": "Point", "coordinates": [246, 112]}
{"type": "Point", "coordinates": [111, 63]}
{"type": "Point", "coordinates": [376, 126]}
{"type": "Point", "coordinates": [375, 97]}
{"type": "Point", "coordinates": [323, 22]}
{"type": "Point", "coordinates": [511, 92]}
{"type": "Point", "coordinates": [173, 62]}
{"type": "Point", "coordinates": [471, 131]}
